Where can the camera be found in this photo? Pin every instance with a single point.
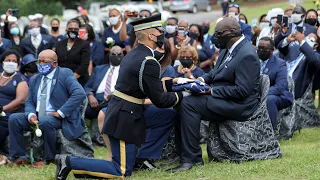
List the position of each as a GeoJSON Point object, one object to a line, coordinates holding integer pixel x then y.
{"type": "Point", "coordinates": [14, 11]}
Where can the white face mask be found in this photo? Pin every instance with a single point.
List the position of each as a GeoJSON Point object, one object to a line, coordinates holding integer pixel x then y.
{"type": "Point", "coordinates": [243, 21]}
{"type": "Point", "coordinates": [85, 37]}
{"type": "Point", "coordinates": [171, 29]}
{"type": "Point", "coordinates": [236, 17]}
{"type": "Point", "coordinates": [114, 20]}
{"type": "Point", "coordinates": [34, 32]}
{"type": "Point", "coordinates": [10, 67]}
{"type": "Point", "coordinates": [264, 25]}
{"type": "Point", "coordinates": [273, 22]}
{"type": "Point", "coordinates": [310, 41]}
{"type": "Point", "coordinates": [296, 18]}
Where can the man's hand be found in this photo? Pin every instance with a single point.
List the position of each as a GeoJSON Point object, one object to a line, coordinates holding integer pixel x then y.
{"type": "Point", "coordinates": [206, 93]}
{"type": "Point", "coordinates": [299, 36]}
{"type": "Point", "coordinates": [77, 76]}
{"type": "Point", "coordinates": [33, 120]}
{"type": "Point", "coordinates": [56, 114]}
{"type": "Point", "coordinates": [93, 101]}
{"type": "Point", "coordinates": [291, 38]}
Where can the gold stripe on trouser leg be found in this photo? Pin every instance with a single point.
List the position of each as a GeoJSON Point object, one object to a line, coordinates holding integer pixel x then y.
{"type": "Point", "coordinates": [123, 157]}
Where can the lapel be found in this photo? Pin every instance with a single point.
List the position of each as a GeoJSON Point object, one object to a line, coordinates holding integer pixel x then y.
{"type": "Point", "coordinates": [30, 44]}
{"type": "Point", "coordinates": [303, 59]}
{"type": "Point", "coordinates": [269, 65]}
{"type": "Point", "coordinates": [220, 58]}
{"type": "Point", "coordinates": [36, 88]}
{"type": "Point", "coordinates": [100, 77]}
{"type": "Point", "coordinates": [73, 47]}
{"type": "Point", "coordinates": [234, 52]}
{"type": "Point", "coordinates": [54, 79]}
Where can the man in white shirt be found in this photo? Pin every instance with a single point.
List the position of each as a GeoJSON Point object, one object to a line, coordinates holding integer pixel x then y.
{"type": "Point", "coordinates": [96, 86]}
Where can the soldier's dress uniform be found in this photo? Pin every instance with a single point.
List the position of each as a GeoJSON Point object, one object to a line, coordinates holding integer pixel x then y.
{"type": "Point", "coordinates": [139, 78]}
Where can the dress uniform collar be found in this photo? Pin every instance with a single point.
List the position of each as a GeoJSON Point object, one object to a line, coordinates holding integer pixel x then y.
{"type": "Point", "coordinates": [150, 50]}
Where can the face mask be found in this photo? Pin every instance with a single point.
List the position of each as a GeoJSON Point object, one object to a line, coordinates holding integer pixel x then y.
{"type": "Point", "coordinates": [243, 21]}
{"type": "Point", "coordinates": [205, 29]}
{"type": "Point", "coordinates": [160, 40]}
{"type": "Point", "coordinates": [264, 25]}
{"type": "Point", "coordinates": [55, 29]}
{"type": "Point", "coordinates": [114, 20]}
{"type": "Point", "coordinates": [158, 55]}
{"type": "Point", "coordinates": [237, 17]}
{"type": "Point", "coordinates": [273, 22]}
{"type": "Point", "coordinates": [85, 37]}
{"type": "Point", "coordinates": [115, 60]}
{"type": "Point", "coordinates": [171, 29]}
{"type": "Point", "coordinates": [193, 35]}
{"type": "Point", "coordinates": [34, 32]}
{"type": "Point", "coordinates": [10, 67]}
{"type": "Point", "coordinates": [221, 42]}
{"type": "Point", "coordinates": [309, 41]}
{"type": "Point", "coordinates": [311, 21]}
{"type": "Point", "coordinates": [296, 18]}
{"type": "Point", "coordinates": [14, 31]}
{"type": "Point", "coordinates": [264, 55]}
{"type": "Point", "coordinates": [45, 69]}
{"type": "Point", "coordinates": [186, 63]}
{"type": "Point", "coordinates": [72, 34]}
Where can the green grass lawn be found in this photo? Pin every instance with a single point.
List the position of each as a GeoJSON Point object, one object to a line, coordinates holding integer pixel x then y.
{"type": "Point", "coordinates": [300, 160]}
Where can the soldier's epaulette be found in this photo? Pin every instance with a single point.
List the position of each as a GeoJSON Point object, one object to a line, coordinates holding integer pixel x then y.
{"type": "Point", "coordinates": [150, 58]}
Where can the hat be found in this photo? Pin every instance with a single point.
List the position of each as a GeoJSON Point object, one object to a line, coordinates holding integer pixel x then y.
{"type": "Point", "coordinates": [149, 22]}
{"type": "Point", "coordinates": [32, 17]}
{"type": "Point", "coordinates": [3, 16]}
{"type": "Point", "coordinates": [274, 13]}
{"type": "Point", "coordinates": [12, 19]}
{"type": "Point", "coordinates": [38, 16]}
{"type": "Point", "coordinates": [27, 59]}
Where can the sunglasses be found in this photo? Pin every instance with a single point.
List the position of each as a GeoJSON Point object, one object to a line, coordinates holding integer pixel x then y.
{"type": "Point", "coordinates": [234, 5]}
{"type": "Point", "coordinates": [116, 54]}
{"type": "Point", "coordinates": [73, 29]}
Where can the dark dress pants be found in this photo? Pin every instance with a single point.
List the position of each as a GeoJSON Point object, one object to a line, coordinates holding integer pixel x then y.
{"type": "Point", "coordinates": [192, 110]}
{"type": "Point", "coordinates": [18, 124]}
{"type": "Point", "coordinates": [4, 131]}
{"type": "Point", "coordinates": [274, 105]}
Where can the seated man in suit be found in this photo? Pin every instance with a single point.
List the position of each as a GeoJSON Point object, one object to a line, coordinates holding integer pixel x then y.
{"type": "Point", "coordinates": [53, 103]}
{"type": "Point", "coordinates": [234, 93]}
{"type": "Point", "coordinates": [245, 28]}
{"type": "Point", "coordinates": [36, 42]}
{"type": "Point", "coordinates": [279, 96]}
{"type": "Point", "coordinates": [302, 58]}
{"type": "Point", "coordinates": [102, 76]}
{"type": "Point", "coordinates": [298, 14]}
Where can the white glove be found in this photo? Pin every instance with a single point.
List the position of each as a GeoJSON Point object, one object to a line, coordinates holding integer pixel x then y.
{"type": "Point", "coordinates": [184, 80]}
{"type": "Point", "coordinates": [2, 114]}
{"type": "Point", "coordinates": [186, 94]}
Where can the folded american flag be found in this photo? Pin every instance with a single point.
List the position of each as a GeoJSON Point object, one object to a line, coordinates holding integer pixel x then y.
{"type": "Point", "coordinates": [194, 87]}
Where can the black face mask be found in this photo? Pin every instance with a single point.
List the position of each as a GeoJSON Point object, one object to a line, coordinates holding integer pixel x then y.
{"type": "Point", "coordinates": [160, 40]}
{"type": "Point", "coordinates": [31, 68]}
{"type": "Point", "coordinates": [205, 29]}
{"type": "Point", "coordinates": [158, 55]}
{"type": "Point", "coordinates": [55, 29]}
{"type": "Point", "coordinates": [186, 63]}
{"type": "Point", "coordinates": [264, 55]}
{"type": "Point", "coordinates": [115, 60]}
{"type": "Point", "coordinates": [193, 35]}
{"type": "Point", "coordinates": [71, 36]}
{"type": "Point", "coordinates": [311, 21]}
{"type": "Point", "coordinates": [221, 42]}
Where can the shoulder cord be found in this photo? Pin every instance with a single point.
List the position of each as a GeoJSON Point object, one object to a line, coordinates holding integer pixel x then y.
{"type": "Point", "coordinates": [142, 69]}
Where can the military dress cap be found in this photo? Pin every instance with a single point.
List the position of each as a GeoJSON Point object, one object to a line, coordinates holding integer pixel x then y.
{"type": "Point", "coordinates": [149, 22]}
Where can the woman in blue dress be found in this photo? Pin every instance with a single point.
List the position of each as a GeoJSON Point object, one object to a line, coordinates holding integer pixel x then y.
{"type": "Point", "coordinates": [188, 58]}
{"type": "Point", "coordinates": [55, 26]}
{"type": "Point", "coordinates": [13, 91]}
{"type": "Point", "coordinates": [203, 48]}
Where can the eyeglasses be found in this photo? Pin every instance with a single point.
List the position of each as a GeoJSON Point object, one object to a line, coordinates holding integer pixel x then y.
{"type": "Point", "coordinates": [73, 29]}
{"type": "Point", "coordinates": [234, 5]}
{"type": "Point", "coordinates": [265, 49]}
{"type": "Point", "coordinates": [217, 33]}
{"type": "Point", "coordinates": [116, 54]}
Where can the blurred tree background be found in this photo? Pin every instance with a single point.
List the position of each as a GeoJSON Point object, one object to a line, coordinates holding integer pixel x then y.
{"type": "Point", "coordinates": [47, 7]}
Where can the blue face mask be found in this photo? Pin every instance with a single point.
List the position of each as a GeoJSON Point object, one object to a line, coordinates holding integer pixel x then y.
{"type": "Point", "coordinates": [14, 31]}
{"type": "Point", "coordinates": [45, 69]}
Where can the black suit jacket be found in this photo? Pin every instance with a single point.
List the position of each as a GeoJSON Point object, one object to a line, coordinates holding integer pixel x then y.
{"type": "Point", "coordinates": [235, 84]}
{"type": "Point", "coordinates": [77, 58]}
{"type": "Point", "coordinates": [26, 46]}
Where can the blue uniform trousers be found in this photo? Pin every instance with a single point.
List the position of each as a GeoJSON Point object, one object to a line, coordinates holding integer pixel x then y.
{"type": "Point", "coordinates": [123, 157]}
{"type": "Point", "coordinates": [160, 122]}
{"type": "Point", "coordinates": [275, 104]}
{"type": "Point", "coordinates": [18, 124]}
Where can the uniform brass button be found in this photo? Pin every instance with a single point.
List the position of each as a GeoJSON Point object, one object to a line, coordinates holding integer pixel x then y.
{"type": "Point", "coordinates": [131, 112]}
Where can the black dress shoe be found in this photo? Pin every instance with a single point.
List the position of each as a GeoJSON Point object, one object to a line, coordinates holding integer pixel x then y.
{"type": "Point", "coordinates": [171, 162]}
{"type": "Point", "coordinates": [147, 164]}
{"type": "Point", "coordinates": [184, 167]}
{"type": "Point", "coordinates": [63, 167]}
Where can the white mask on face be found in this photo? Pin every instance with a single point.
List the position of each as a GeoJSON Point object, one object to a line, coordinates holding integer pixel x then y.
{"type": "Point", "coordinates": [243, 21]}
{"type": "Point", "coordinates": [310, 41]}
{"type": "Point", "coordinates": [171, 29]}
{"type": "Point", "coordinates": [236, 17]}
{"type": "Point", "coordinates": [273, 22]}
{"type": "Point", "coordinates": [264, 25]}
{"type": "Point", "coordinates": [296, 18]}
{"type": "Point", "coordinates": [10, 67]}
{"type": "Point", "coordinates": [85, 37]}
{"type": "Point", "coordinates": [34, 32]}
{"type": "Point", "coordinates": [114, 20]}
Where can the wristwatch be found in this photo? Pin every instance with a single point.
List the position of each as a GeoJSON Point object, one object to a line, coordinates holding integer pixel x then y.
{"type": "Point", "coordinates": [176, 46]}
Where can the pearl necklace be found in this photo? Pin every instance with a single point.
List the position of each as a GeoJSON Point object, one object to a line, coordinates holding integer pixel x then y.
{"type": "Point", "coordinates": [2, 74]}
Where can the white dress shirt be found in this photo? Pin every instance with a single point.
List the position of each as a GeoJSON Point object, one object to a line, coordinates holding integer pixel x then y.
{"type": "Point", "coordinates": [114, 79]}
{"type": "Point", "coordinates": [39, 39]}
{"type": "Point", "coordinates": [49, 107]}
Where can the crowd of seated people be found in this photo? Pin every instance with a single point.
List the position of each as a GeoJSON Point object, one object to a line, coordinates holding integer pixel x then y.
{"type": "Point", "coordinates": [46, 76]}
